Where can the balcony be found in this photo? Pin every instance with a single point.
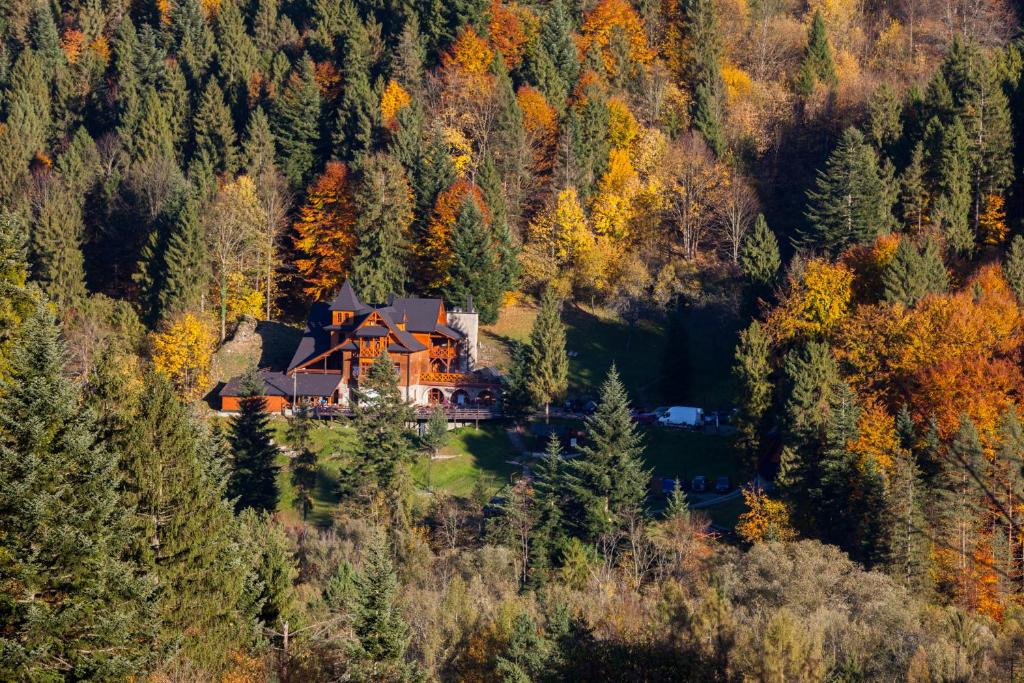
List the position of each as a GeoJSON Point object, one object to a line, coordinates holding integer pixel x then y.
{"type": "Point", "coordinates": [443, 352]}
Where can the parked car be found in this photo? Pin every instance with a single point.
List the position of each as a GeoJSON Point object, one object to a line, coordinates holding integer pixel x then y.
{"type": "Point", "coordinates": [682, 416]}
{"type": "Point", "coordinates": [700, 484]}
{"type": "Point", "coordinates": [589, 407]}
{"type": "Point", "coordinates": [644, 418]}
{"type": "Point", "coordinates": [722, 485]}
{"type": "Point", "coordinates": [668, 485]}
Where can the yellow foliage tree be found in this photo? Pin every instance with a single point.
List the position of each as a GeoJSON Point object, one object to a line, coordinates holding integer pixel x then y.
{"type": "Point", "coordinates": [561, 245]}
{"type": "Point", "coordinates": [244, 297]}
{"type": "Point", "coordinates": [182, 352]}
{"type": "Point", "coordinates": [470, 57]}
{"type": "Point", "coordinates": [611, 210]}
{"type": "Point", "coordinates": [817, 301]}
{"type": "Point", "coordinates": [876, 444]}
{"type": "Point", "coordinates": [992, 221]}
{"type": "Point", "coordinates": [622, 125]}
{"type": "Point", "coordinates": [393, 100]}
{"type": "Point", "coordinates": [766, 519]}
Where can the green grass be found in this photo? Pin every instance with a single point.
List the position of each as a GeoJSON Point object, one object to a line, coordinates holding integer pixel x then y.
{"type": "Point", "coordinates": [726, 514]}
{"type": "Point", "coordinates": [327, 441]}
{"type": "Point", "coordinates": [477, 455]}
{"type": "Point", "coordinates": [685, 454]}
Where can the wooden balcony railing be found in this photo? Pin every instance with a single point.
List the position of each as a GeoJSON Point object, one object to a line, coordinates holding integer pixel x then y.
{"type": "Point", "coordinates": [442, 352]}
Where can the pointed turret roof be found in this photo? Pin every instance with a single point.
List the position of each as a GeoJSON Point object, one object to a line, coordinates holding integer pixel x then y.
{"type": "Point", "coordinates": [347, 299]}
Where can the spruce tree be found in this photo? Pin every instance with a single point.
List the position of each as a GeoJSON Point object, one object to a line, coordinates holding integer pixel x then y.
{"type": "Point", "coordinates": [380, 417]}
{"type": "Point", "coordinates": [237, 57]}
{"type": "Point", "coordinates": [913, 274]}
{"type": "Point", "coordinates": [818, 56]}
{"type": "Point", "coordinates": [57, 233]}
{"type": "Point", "coordinates": [215, 131]}
{"type": "Point", "coordinates": [253, 481]}
{"type": "Point", "coordinates": [475, 272]}
{"type": "Point", "coordinates": [958, 509]}
{"type": "Point", "coordinates": [525, 657]}
{"type": "Point", "coordinates": [153, 138]}
{"type": "Point", "coordinates": [908, 546]}
{"type": "Point", "coordinates": [1013, 267]}
{"type": "Point", "coordinates": [358, 114]}
{"type": "Point", "coordinates": [516, 398]}
{"type": "Point", "coordinates": [547, 359]}
{"type": "Point", "coordinates": [914, 196]}
{"type": "Point", "coordinates": [608, 481]}
{"type": "Point", "coordinates": [702, 53]}
{"type": "Point", "coordinates": [851, 203]}
{"type": "Point", "coordinates": [295, 121]}
{"type": "Point", "coordinates": [752, 370]}
{"type": "Point", "coordinates": [759, 254]}
{"type": "Point", "coordinates": [383, 215]}
{"type": "Point", "coordinates": [16, 301]}
{"type": "Point", "coordinates": [183, 528]}
{"type": "Point", "coordinates": [885, 123]}
{"type": "Point", "coordinates": [194, 37]}
{"type": "Point", "coordinates": [547, 535]}
{"type": "Point", "coordinates": [953, 205]}
{"type": "Point", "coordinates": [378, 624]}
{"type": "Point", "coordinates": [71, 606]}
{"type": "Point", "coordinates": [258, 154]}
{"type": "Point", "coordinates": [172, 270]}
{"type": "Point", "coordinates": [304, 465]}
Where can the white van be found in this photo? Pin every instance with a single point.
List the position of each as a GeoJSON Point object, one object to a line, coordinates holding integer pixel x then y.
{"type": "Point", "coordinates": [682, 416]}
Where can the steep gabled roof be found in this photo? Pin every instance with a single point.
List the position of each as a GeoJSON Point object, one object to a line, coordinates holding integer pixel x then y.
{"type": "Point", "coordinates": [423, 314]}
{"type": "Point", "coordinates": [280, 384]}
{"type": "Point", "coordinates": [315, 339]}
{"type": "Point", "coordinates": [347, 299]}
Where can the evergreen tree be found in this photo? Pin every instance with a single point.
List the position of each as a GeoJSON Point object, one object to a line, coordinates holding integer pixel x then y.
{"type": "Point", "coordinates": [172, 270]}
{"type": "Point", "coordinates": [608, 481]}
{"type": "Point", "coordinates": [475, 272]}
{"type": "Point", "coordinates": [26, 105]}
{"type": "Point", "coordinates": [516, 397]}
{"type": "Point", "coordinates": [676, 505]}
{"type": "Point", "coordinates": [253, 482]}
{"type": "Point", "coordinates": [850, 203]}
{"type": "Point", "coordinates": [752, 370]}
{"type": "Point", "coordinates": [153, 138]}
{"type": "Point", "coordinates": [57, 232]}
{"type": "Point", "coordinates": [378, 624]}
{"type": "Point", "coordinates": [908, 556]}
{"type": "Point", "coordinates": [1013, 267]}
{"type": "Point", "coordinates": [547, 360]}
{"type": "Point", "coordinates": [295, 121]}
{"type": "Point", "coordinates": [304, 465]}
{"type": "Point", "coordinates": [380, 417]}
{"type": "Point", "coordinates": [818, 56]}
{"type": "Point", "coordinates": [407, 67]}
{"type": "Point", "coordinates": [835, 506]}
{"type": "Point", "coordinates": [1005, 485]}
{"type": "Point", "coordinates": [258, 155]}
{"type": "Point", "coordinates": [183, 531]}
{"type": "Point", "coordinates": [237, 57]}
{"type": "Point", "coordinates": [525, 657]}
{"type": "Point", "coordinates": [70, 606]}
{"type": "Point", "coordinates": [383, 214]}
{"type": "Point", "coordinates": [914, 195]}
{"type": "Point", "coordinates": [959, 513]}
{"type": "Point", "coordinates": [585, 151]}
{"type": "Point", "coordinates": [358, 112]}
{"type": "Point", "coordinates": [953, 205]}
{"type": "Point", "coordinates": [913, 274]}
{"type": "Point", "coordinates": [16, 302]}
{"type": "Point", "coordinates": [702, 55]}
{"type": "Point", "coordinates": [547, 536]}
{"type": "Point", "coordinates": [434, 437]}
{"type": "Point", "coordinates": [759, 254]}
{"type": "Point", "coordinates": [195, 42]}
{"type": "Point", "coordinates": [885, 123]}
{"type": "Point", "coordinates": [215, 131]}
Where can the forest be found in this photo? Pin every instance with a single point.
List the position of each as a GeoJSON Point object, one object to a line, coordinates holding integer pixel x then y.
{"type": "Point", "coordinates": [840, 180]}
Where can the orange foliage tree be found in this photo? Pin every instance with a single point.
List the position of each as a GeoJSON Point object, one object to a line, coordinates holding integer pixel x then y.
{"type": "Point", "coordinates": [602, 25]}
{"type": "Point", "coordinates": [325, 238]}
{"type": "Point", "coordinates": [541, 124]}
{"type": "Point", "coordinates": [992, 221]}
{"type": "Point", "coordinates": [468, 60]}
{"type": "Point", "coordinates": [509, 28]}
{"type": "Point", "coordinates": [393, 100]}
{"type": "Point", "coordinates": [766, 519]}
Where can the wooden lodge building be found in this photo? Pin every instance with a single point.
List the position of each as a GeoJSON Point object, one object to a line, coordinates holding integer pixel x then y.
{"type": "Point", "coordinates": [434, 351]}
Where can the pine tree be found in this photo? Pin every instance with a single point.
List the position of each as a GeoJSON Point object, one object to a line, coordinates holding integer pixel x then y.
{"type": "Point", "coordinates": [215, 131]}
{"type": "Point", "coordinates": [378, 624]}
{"type": "Point", "coordinates": [358, 115]}
{"type": "Point", "coordinates": [1006, 484]}
{"type": "Point", "coordinates": [958, 498]}
{"type": "Point", "coordinates": [172, 270]}
{"type": "Point", "coordinates": [759, 255]}
{"type": "Point", "coordinates": [475, 272]}
{"type": "Point", "coordinates": [16, 301]}
{"type": "Point", "coordinates": [57, 232]}
{"type": "Point", "coordinates": [380, 417]}
{"type": "Point", "coordinates": [608, 481]}
{"type": "Point", "coordinates": [410, 56]}
{"type": "Point", "coordinates": [908, 547]}
{"type": "Point", "coordinates": [1013, 267]}
{"type": "Point", "coordinates": [547, 360]}
{"type": "Point", "coordinates": [833, 502]}
{"type": "Point", "coordinates": [914, 196]}
{"type": "Point", "coordinates": [676, 505]}
{"type": "Point", "coordinates": [258, 153]}
{"type": "Point", "coordinates": [253, 482]}
{"type": "Point", "coordinates": [153, 138]}
{"type": "Point", "coordinates": [434, 437]}
{"type": "Point", "coordinates": [953, 205]}
{"type": "Point", "coordinates": [73, 608]}
{"type": "Point", "coordinates": [913, 274]}
{"type": "Point", "coordinates": [295, 121]}
{"type": "Point", "coordinates": [183, 527]}
{"type": "Point", "coordinates": [547, 535]}
{"type": "Point", "coordinates": [850, 203]}
{"type": "Point", "coordinates": [237, 57]}
{"type": "Point", "coordinates": [702, 53]}
{"type": "Point", "coordinates": [195, 42]}
{"type": "Point", "coordinates": [27, 105]}
{"type": "Point", "coordinates": [383, 215]}
{"type": "Point", "coordinates": [818, 56]}
{"type": "Point", "coordinates": [585, 154]}
{"type": "Point", "coordinates": [885, 111]}
{"type": "Point", "coordinates": [516, 398]}
{"type": "Point", "coordinates": [752, 370]}
{"type": "Point", "coordinates": [525, 658]}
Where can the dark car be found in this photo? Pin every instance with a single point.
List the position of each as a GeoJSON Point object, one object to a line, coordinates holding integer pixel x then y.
{"type": "Point", "coordinates": [668, 485]}
{"type": "Point", "coordinates": [722, 485]}
{"type": "Point", "coordinates": [700, 484]}
{"type": "Point", "coordinates": [644, 418]}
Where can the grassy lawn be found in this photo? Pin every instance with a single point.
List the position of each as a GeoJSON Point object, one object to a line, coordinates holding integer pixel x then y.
{"type": "Point", "coordinates": [326, 442]}
{"type": "Point", "coordinates": [685, 454]}
{"type": "Point", "coordinates": [470, 455]}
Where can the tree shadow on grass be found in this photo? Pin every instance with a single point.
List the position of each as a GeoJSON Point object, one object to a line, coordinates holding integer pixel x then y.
{"type": "Point", "coordinates": [278, 344]}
